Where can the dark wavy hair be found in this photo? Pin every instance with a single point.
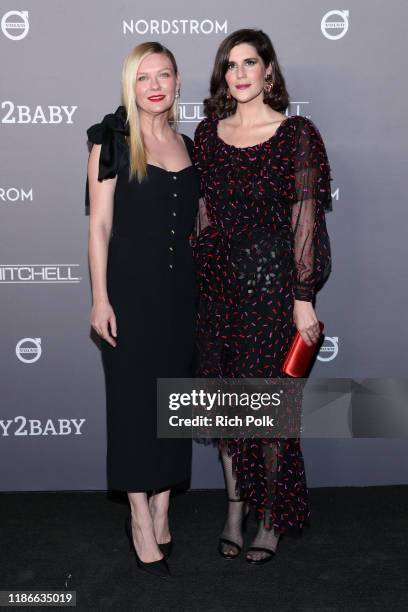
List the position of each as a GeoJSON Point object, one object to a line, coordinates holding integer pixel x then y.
{"type": "Point", "coordinates": [218, 104]}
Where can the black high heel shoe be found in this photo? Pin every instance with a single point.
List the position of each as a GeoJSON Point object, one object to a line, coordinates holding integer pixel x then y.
{"type": "Point", "coordinates": [166, 548]}
{"type": "Point", "coordinates": [228, 542]}
{"type": "Point", "coordinates": [155, 568]}
{"type": "Point", "coordinates": [270, 553]}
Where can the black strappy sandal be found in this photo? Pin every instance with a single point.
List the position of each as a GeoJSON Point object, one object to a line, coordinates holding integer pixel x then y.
{"type": "Point", "coordinates": [228, 542]}
{"type": "Point", "coordinates": [271, 554]}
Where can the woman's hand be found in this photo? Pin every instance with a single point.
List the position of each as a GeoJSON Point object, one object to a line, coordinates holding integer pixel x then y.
{"type": "Point", "coordinates": [305, 319]}
{"type": "Point", "coordinates": [102, 319]}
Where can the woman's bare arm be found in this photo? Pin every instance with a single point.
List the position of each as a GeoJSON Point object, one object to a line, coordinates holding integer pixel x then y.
{"type": "Point", "coordinates": [101, 194]}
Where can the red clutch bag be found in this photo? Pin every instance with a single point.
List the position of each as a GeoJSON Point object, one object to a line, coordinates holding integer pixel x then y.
{"type": "Point", "coordinates": [299, 356]}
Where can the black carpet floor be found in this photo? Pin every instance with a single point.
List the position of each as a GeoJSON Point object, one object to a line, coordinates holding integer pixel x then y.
{"type": "Point", "coordinates": [354, 556]}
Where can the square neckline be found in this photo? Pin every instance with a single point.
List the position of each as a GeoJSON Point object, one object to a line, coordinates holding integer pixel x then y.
{"type": "Point", "coordinates": [259, 144]}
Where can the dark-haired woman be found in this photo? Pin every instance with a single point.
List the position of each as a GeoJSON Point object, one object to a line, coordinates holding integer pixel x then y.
{"type": "Point", "coordinates": [263, 252]}
{"type": "Point", "coordinates": [143, 203]}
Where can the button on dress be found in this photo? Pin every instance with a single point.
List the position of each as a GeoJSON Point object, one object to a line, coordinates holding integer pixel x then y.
{"type": "Point", "coordinates": [152, 289]}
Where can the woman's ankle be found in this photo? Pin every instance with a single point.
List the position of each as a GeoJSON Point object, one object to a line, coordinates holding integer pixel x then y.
{"type": "Point", "coordinates": [141, 522]}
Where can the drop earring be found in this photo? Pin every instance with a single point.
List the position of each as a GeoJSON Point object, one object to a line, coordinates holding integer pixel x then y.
{"type": "Point", "coordinates": [268, 84]}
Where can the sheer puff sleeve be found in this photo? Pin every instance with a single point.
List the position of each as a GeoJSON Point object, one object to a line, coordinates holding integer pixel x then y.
{"type": "Point", "coordinates": [111, 135]}
{"type": "Point", "coordinates": [312, 199]}
{"type": "Point", "coordinates": [200, 151]}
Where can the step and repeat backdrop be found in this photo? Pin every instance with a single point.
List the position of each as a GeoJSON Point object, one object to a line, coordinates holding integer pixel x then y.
{"type": "Point", "coordinates": [60, 72]}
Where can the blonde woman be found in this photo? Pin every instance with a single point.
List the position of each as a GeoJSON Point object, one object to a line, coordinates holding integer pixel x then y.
{"type": "Point", "coordinates": [143, 194]}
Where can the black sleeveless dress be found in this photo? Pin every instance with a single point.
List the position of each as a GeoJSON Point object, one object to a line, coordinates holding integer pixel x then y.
{"type": "Point", "coordinates": [151, 286]}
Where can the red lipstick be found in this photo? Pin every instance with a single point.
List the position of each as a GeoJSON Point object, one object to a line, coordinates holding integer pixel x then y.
{"type": "Point", "coordinates": [157, 98]}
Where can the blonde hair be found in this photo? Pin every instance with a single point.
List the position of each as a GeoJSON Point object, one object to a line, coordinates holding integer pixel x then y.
{"type": "Point", "coordinates": [137, 150]}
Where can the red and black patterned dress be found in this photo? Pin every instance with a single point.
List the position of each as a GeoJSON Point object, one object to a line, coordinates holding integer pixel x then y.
{"type": "Point", "coordinates": [262, 244]}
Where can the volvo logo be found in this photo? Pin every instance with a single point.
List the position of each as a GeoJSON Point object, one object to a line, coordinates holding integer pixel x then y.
{"type": "Point", "coordinates": [335, 24]}
{"type": "Point", "coordinates": [329, 349]}
{"type": "Point", "coordinates": [28, 350]}
{"type": "Point", "coordinates": [14, 25]}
